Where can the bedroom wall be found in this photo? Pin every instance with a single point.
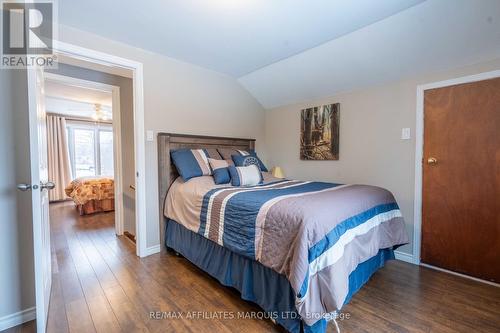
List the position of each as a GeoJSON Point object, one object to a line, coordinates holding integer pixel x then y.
{"type": "Point", "coordinates": [16, 232]}
{"type": "Point", "coordinates": [371, 151]}
{"type": "Point", "coordinates": [126, 133]}
{"type": "Point", "coordinates": [182, 98]}
{"type": "Point", "coordinates": [178, 97]}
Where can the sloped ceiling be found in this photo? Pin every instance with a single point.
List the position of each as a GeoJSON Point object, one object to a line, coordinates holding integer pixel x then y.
{"type": "Point", "coordinates": [289, 51]}
{"type": "Point", "coordinates": [234, 37]}
{"type": "Point", "coordinates": [432, 36]}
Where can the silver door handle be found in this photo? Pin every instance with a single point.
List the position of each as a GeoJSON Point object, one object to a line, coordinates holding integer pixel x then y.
{"type": "Point", "coordinates": [23, 187]}
{"type": "Point", "coordinates": [47, 185]}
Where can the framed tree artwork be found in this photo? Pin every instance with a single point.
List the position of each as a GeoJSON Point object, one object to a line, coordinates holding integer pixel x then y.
{"type": "Point", "coordinates": [319, 132]}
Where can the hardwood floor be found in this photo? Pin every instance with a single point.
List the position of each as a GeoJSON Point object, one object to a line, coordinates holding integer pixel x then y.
{"type": "Point", "coordinates": [99, 285]}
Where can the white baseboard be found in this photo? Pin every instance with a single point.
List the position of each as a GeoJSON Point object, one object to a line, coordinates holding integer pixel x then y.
{"type": "Point", "coordinates": [17, 318]}
{"type": "Point", "coordinates": [404, 257]}
{"type": "Point", "coordinates": [152, 250]}
{"type": "Point", "coordinates": [461, 275]}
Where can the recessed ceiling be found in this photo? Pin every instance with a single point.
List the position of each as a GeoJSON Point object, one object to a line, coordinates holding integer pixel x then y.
{"type": "Point", "coordinates": [235, 37]}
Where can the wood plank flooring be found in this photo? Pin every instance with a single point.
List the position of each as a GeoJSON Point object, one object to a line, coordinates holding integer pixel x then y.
{"type": "Point", "coordinates": [99, 285]}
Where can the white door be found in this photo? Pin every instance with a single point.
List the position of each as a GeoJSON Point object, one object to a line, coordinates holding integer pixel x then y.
{"type": "Point", "coordinates": [40, 186]}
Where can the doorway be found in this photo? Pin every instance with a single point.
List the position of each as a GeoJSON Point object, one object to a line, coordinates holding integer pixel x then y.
{"type": "Point", "coordinates": [38, 163]}
{"type": "Point", "coordinates": [89, 172]}
{"type": "Point", "coordinates": [460, 187]}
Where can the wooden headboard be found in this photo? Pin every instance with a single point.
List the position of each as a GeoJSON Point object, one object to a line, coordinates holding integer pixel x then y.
{"type": "Point", "coordinates": [167, 172]}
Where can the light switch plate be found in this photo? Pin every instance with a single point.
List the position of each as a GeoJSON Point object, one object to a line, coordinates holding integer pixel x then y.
{"type": "Point", "coordinates": [405, 133]}
{"type": "Point", "coordinates": [150, 136]}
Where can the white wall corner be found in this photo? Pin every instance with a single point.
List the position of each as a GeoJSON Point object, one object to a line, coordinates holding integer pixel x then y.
{"type": "Point", "coordinates": [404, 257]}
{"type": "Point", "coordinates": [17, 318]}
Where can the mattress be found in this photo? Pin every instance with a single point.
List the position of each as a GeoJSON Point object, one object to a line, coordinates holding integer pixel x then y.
{"type": "Point", "coordinates": [315, 234]}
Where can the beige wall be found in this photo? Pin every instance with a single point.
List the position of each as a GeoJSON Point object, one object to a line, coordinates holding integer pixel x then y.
{"type": "Point", "coordinates": [371, 151]}
{"type": "Point", "coordinates": [126, 132]}
{"type": "Point", "coordinates": [178, 97]}
{"type": "Point", "coordinates": [181, 98]}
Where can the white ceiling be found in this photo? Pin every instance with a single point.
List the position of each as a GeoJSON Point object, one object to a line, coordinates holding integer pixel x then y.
{"type": "Point", "coordinates": [234, 37]}
{"type": "Point", "coordinates": [433, 36]}
{"type": "Point", "coordinates": [291, 51]}
{"type": "Point", "coordinates": [80, 94]}
{"type": "Point", "coordinates": [76, 101]}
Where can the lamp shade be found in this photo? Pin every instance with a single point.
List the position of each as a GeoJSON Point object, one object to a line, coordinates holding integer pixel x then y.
{"type": "Point", "coordinates": [278, 172]}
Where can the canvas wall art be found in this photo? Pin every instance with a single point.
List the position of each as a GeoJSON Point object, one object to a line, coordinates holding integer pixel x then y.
{"type": "Point", "coordinates": [319, 132]}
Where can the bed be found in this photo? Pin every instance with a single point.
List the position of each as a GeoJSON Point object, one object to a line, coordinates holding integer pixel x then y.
{"type": "Point", "coordinates": [298, 249]}
{"type": "Point", "coordinates": [92, 194]}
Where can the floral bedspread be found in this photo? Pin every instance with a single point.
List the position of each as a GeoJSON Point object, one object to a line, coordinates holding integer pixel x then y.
{"type": "Point", "coordinates": [84, 189]}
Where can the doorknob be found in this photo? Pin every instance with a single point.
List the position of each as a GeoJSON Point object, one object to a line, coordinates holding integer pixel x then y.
{"type": "Point", "coordinates": [432, 160]}
{"type": "Point", "coordinates": [47, 185]}
{"type": "Point", "coordinates": [23, 187]}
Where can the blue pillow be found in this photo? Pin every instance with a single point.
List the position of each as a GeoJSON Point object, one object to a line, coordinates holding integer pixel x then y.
{"type": "Point", "coordinates": [261, 164]}
{"type": "Point", "coordinates": [245, 175]}
{"type": "Point", "coordinates": [220, 171]}
{"type": "Point", "coordinates": [245, 160]}
{"type": "Point", "coordinates": [248, 157]}
{"type": "Point", "coordinates": [191, 163]}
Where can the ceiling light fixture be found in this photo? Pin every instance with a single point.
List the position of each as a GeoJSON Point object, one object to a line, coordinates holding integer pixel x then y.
{"type": "Point", "coordinates": [98, 115]}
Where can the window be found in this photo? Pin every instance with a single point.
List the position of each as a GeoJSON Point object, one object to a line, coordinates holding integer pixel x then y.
{"type": "Point", "coordinates": [84, 160]}
{"type": "Point", "coordinates": [90, 149]}
{"type": "Point", "coordinates": [106, 152]}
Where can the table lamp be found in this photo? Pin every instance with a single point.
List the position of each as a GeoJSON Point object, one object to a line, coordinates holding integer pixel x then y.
{"type": "Point", "coordinates": [278, 172]}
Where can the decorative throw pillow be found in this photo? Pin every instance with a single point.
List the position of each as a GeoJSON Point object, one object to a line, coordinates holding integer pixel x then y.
{"type": "Point", "coordinates": [213, 153]}
{"type": "Point", "coordinates": [261, 164]}
{"type": "Point", "coordinates": [191, 163]}
{"type": "Point", "coordinates": [220, 171]}
{"type": "Point", "coordinates": [245, 175]}
{"type": "Point", "coordinates": [244, 158]}
{"type": "Point", "coordinates": [227, 154]}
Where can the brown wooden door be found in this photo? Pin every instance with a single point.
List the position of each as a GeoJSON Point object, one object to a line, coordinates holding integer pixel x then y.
{"type": "Point", "coordinates": [461, 191]}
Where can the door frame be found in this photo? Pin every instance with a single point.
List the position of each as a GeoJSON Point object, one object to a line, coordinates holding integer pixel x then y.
{"type": "Point", "coordinates": [112, 61]}
{"type": "Point", "coordinates": [97, 57]}
{"type": "Point", "coordinates": [43, 286]}
{"type": "Point", "coordinates": [117, 145]}
{"type": "Point", "coordinates": [419, 148]}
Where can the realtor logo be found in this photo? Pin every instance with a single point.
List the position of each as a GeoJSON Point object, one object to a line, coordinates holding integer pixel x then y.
{"type": "Point", "coordinates": [27, 34]}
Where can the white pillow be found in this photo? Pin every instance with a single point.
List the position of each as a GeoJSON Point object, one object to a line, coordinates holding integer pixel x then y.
{"type": "Point", "coordinates": [245, 175]}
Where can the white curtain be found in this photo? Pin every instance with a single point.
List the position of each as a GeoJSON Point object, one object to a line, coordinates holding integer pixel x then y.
{"type": "Point", "coordinates": [58, 156]}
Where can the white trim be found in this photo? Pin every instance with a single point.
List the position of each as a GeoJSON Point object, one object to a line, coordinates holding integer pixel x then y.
{"type": "Point", "coordinates": [406, 257]}
{"type": "Point", "coordinates": [109, 60]}
{"type": "Point", "coordinates": [461, 275]}
{"type": "Point", "coordinates": [419, 137]}
{"type": "Point", "coordinates": [117, 145]}
{"type": "Point", "coordinates": [117, 161]}
{"type": "Point", "coordinates": [42, 269]}
{"type": "Point", "coordinates": [17, 318]}
{"type": "Point", "coordinates": [153, 249]}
